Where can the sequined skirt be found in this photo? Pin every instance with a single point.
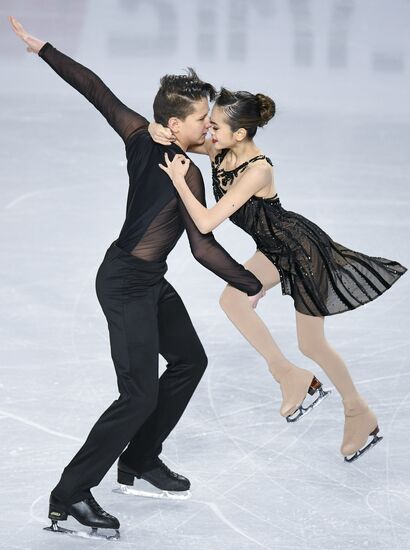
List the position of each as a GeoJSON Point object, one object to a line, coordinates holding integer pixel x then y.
{"type": "Point", "coordinates": [322, 276]}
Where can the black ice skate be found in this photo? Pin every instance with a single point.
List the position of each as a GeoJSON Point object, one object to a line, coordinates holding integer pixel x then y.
{"type": "Point", "coordinates": [87, 512]}
{"type": "Point", "coordinates": [315, 389]}
{"type": "Point", "coordinates": [159, 482]}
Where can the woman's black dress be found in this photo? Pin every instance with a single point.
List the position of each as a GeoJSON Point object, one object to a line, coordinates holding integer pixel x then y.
{"type": "Point", "coordinates": [322, 276]}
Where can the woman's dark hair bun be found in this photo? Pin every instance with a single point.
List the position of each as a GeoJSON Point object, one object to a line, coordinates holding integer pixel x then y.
{"type": "Point", "coordinates": [245, 110]}
{"type": "Point", "coordinates": [267, 108]}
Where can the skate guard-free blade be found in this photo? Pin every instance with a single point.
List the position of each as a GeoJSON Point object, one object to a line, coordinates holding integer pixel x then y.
{"type": "Point", "coordinates": [376, 439]}
{"type": "Point", "coordinates": [93, 534]}
{"type": "Point", "coordinates": [146, 490]}
{"type": "Point", "coordinates": [303, 411]}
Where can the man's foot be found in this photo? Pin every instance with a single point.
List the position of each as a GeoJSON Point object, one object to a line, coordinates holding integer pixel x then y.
{"type": "Point", "coordinates": [87, 512]}
{"type": "Point", "coordinates": [158, 482]}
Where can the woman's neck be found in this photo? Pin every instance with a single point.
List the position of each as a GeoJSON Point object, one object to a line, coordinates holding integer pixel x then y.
{"type": "Point", "coordinates": [242, 152]}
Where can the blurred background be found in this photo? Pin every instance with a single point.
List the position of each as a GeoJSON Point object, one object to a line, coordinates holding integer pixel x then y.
{"type": "Point", "coordinates": [339, 72]}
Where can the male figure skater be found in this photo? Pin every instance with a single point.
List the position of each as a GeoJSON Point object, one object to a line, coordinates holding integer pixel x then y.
{"type": "Point", "coordinates": [145, 314]}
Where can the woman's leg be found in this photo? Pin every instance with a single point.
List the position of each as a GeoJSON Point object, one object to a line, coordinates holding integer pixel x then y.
{"type": "Point", "coordinates": [312, 343]}
{"type": "Point", "coordinates": [294, 382]}
{"type": "Point", "coordinates": [360, 421]}
{"type": "Point", "coordinates": [238, 309]}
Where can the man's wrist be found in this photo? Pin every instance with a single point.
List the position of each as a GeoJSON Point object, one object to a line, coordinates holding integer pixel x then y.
{"type": "Point", "coordinates": [44, 48]}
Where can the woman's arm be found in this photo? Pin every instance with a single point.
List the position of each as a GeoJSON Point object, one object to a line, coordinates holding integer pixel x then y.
{"type": "Point", "coordinates": [124, 120]}
{"type": "Point", "coordinates": [208, 252]}
{"type": "Point", "coordinates": [206, 148]}
{"type": "Point", "coordinates": [206, 219]}
{"type": "Point", "coordinates": [163, 135]}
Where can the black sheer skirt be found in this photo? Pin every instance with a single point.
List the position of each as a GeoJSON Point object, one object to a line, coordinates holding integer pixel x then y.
{"type": "Point", "coordinates": [322, 276]}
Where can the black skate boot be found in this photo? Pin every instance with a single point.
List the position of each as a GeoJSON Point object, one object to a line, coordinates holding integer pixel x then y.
{"type": "Point", "coordinates": [159, 482]}
{"type": "Point", "coordinates": [87, 512]}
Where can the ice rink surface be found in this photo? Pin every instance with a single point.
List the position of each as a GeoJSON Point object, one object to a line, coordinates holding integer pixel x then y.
{"type": "Point", "coordinates": [339, 72]}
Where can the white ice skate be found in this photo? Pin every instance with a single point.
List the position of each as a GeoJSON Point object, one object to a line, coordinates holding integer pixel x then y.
{"type": "Point", "coordinates": [360, 424]}
{"type": "Point", "coordinates": [296, 387]}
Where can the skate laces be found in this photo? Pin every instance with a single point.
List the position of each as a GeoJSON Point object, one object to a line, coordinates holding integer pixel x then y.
{"type": "Point", "coordinates": [165, 468]}
{"type": "Point", "coordinates": [94, 504]}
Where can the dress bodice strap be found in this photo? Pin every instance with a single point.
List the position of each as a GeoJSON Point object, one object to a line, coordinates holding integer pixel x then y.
{"type": "Point", "coordinates": [220, 156]}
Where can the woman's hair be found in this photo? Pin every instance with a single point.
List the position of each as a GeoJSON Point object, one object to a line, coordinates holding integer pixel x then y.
{"type": "Point", "coordinates": [245, 110]}
{"type": "Point", "coordinates": [177, 94]}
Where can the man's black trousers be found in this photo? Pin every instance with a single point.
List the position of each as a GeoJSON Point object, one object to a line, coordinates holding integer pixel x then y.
{"type": "Point", "coordinates": [146, 317]}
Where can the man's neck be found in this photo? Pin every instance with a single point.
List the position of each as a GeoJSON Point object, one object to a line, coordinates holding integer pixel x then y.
{"type": "Point", "coordinates": [181, 145]}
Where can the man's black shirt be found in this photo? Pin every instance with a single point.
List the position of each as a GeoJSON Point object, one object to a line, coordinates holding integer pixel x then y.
{"type": "Point", "coordinates": [156, 216]}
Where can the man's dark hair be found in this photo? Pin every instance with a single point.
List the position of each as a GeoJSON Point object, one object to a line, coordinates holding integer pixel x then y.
{"type": "Point", "coordinates": [177, 95]}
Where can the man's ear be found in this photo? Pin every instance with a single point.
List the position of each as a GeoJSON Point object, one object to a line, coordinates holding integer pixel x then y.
{"type": "Point", "coordinates": [240, 134]}
{"type": "Point", "coordinates": [174, 124]}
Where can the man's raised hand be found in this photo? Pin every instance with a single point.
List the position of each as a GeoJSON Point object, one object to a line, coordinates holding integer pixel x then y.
{"type": "Point", "coordinates": [33, 44]}
{"type": "Point", "coordinates": [255, 299]}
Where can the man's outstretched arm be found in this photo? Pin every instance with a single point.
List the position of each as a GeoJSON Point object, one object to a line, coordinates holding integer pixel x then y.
{"type": "Point", "coordinates": [125, 121]}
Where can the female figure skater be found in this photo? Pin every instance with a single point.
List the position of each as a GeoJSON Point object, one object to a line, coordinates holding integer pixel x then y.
{"type": "Point", "coordinates": [322, 276]}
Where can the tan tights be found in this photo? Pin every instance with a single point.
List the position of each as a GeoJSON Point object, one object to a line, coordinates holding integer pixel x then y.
{"type": "Point", "coordinates": [310, 330]}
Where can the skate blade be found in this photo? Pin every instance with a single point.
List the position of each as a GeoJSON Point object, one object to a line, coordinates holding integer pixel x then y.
{"type": "Point", "coordinates": [376, 439]}
{"type": "Point", "coordinates": [93, 534]}
{"type": "Point", "coordinates": [303, 411]}
{"type": "Point", "coordinates": [151, 492]}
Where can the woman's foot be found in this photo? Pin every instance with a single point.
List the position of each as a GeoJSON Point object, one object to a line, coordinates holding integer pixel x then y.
{"type": "Point", "coordinates": [360, 424]}
{"type": "Point", "coordinates": [295, 385]}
